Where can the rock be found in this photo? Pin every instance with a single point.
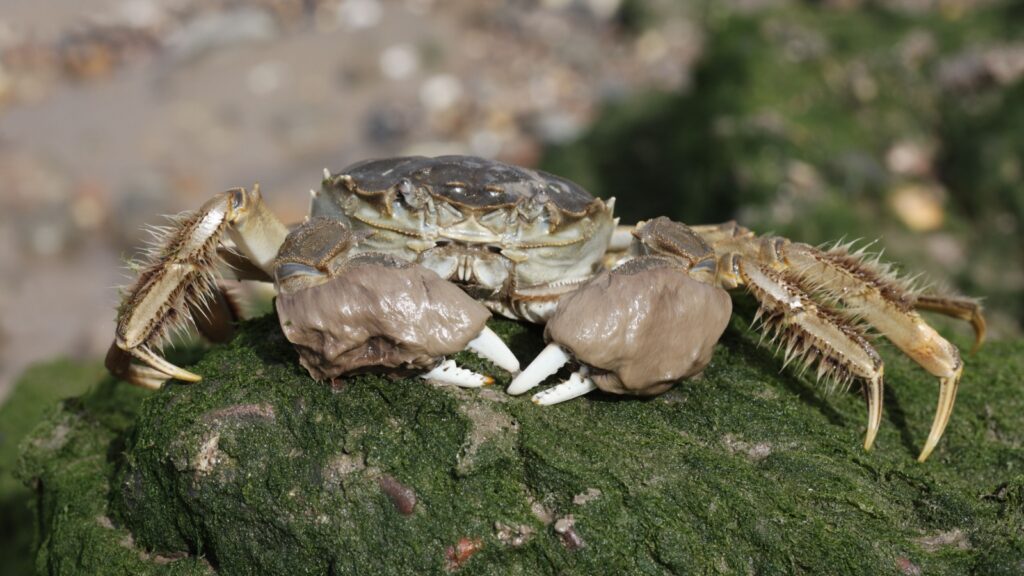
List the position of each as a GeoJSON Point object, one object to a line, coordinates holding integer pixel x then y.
{"type": "Point", "coordinates": [35, 395]}
{"type": "Point", "coordinates": [258, 469]}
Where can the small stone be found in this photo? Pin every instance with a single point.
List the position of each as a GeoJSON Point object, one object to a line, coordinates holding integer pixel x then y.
{"type": "Point", "coordinates": [399, 61]}
{"type": "Point", "coordinates": [514, 536]}
{"type": "Point", "coordinates": [456, 556]}
{"type": "Point", "coordinates": [541, 513]}
{"type": "Point", "coordinates": [564, 527]}
{"type": "Point", "coordinates": [359, 14]}
{"type": "Point", "coordinates": [910, 158]}
{"type": "Point", "coordinates": [589, 495]}
{"type": "Point", "coordinates": [440, 92]}
{"type": "Point", "coordinates": [403, 497]}
{"type": "Point", "coordinates": [954, 538]}
{"type": "Point", "coordinates": [217, 30]}
{"type": "Point", "coordinates": [919, 206]}
{"type": "Point", "coordinates": [264, 78]}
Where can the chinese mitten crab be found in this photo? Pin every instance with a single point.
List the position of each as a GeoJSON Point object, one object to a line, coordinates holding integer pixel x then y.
{"type": "Point", "coordinates": [402, 260]}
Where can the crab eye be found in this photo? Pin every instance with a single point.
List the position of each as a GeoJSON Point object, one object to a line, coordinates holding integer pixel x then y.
{"type": "Point", "coordinates": [292, 269]}
{"type": "Point", "coordinates": [293, 276]}
{"type": "Point", "coordinates": [410, 195]}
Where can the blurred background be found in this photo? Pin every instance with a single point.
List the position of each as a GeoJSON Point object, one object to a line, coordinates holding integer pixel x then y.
{"type": "Point", "coordinates": [901, 120]}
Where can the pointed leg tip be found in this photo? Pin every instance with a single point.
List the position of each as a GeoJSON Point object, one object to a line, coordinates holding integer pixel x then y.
{"type": "Point", "coordinates": [977, 345]}
{"type": "Point", "coordinates": [874, 399]}
{"type": "Point", "coordinates": [186, 376]}
{"type": "Point", "coordinates": [869, 443]}
{"type": "Point", "coordinates": [947, 397]}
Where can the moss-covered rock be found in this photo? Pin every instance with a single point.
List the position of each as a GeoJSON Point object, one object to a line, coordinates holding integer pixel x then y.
{"type": "Point", "coordinates": [34, 395]}
{"type": "Point", "coordinates": [260, 470]}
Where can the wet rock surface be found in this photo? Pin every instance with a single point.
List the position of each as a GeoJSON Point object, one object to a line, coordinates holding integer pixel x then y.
{"type": "Point", "coordinates": [258, 469]}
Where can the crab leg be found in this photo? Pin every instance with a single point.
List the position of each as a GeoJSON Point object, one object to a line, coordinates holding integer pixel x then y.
{"type": "Point", "coordinates": [812, 332]}
{"type": "Point", "coordinates": [966, 309]}
{"type": "Point", "coordinates": [181, 279]}
{"type": "Point", "coordinates": [450, 373]}
{"type": "Point", "coordinates": [549, 361]}
{"type": "Point", "coordinates": [489, 346]}
{"type": "Point", "coordinates": [882, 303]}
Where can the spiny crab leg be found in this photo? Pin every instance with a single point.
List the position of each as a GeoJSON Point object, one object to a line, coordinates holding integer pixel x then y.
{"type": "Point", "coordinates": [448, 372]}
{"type": "Point", "coordinates": [812, 332]}
{"type": "Point", "coordinates": [490, 346]}
{"type": "Point", "coordinates": [577, 385]}
{"type": "Point", "coordinates": [549, 361]}
{"type": "Point", "coordinates": [884, 304]}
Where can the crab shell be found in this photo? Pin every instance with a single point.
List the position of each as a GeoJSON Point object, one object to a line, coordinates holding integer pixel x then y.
{"type": "Point", "coordinates": [501, 232]}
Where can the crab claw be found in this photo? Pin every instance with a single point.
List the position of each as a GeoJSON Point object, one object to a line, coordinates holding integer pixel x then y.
{"type": "Point", "coordinates": [151, 377]}
{"type": "Point", "coordinates": [549, 361]}
{"type": "Point", "coordinates": [636, 330]}
{"type": "Point", "coordinates": [348, 312]}
{"type": "Point", "coordinates": [490, 346]}
{"type": "Point", "coordinates": [577, 385]}
{"type": "Point", "coordinates": [448, 372]}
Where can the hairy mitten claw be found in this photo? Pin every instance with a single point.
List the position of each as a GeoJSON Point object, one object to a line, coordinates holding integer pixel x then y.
{"type": "Point", "coordinates": [373, 312]}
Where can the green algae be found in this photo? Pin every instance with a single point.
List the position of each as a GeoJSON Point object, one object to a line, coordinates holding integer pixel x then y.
{"type": "Point", "coordinates": [789, 120]}
{"type": "Point", "coordinates": [34, 395]}
{"type": "Point", "coordinates": [258, 469]}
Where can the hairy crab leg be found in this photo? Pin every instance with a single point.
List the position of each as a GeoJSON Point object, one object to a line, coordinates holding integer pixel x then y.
{"type": "Point", "coordinates": [448, 372]}
{"type": "Point", "coordinates": [181, 278]}
{"type": "Point", "coordinates": [874, 296]}
{"type": "Point", "coordinates": [549, 361]}
{"type": "Point", "coordinates": [577, 385]}
{"type": "Point", "coordinates": [966, 309]}
{"type": "Point", "coordinates": [810, 332]}
{"type": "Point", "coordinates": [490, 346]}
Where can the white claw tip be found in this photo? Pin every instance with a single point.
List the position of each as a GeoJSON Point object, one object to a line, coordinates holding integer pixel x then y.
{"type": "Point", "coordinates": [450, 373]}
{"type": "Point", "coordinates": [327, 174]}
{"type": "Point", "coordinates": [577, 385]}
{"type": "Point", "coordinates": [545, 364]}
{"type": "Point", "coordinates": [489, 346]}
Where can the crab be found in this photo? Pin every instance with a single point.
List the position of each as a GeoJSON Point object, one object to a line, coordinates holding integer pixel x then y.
{"type": "Point", "coordinates": [401, 262]}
